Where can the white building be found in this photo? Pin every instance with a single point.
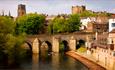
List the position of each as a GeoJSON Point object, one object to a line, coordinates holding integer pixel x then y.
{"type": "Point", "coordinates": [111, 24]}
{"type": "Point", "coordinates": [85, 21]}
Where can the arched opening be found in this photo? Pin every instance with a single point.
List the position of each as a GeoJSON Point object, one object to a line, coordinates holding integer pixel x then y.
{"type": "Point", "coordinates": [26, 49]}
{"type": "Point", "coordinates": [46, 46]}
{"type": "Point", "coordinates": [45, 50]}
{"type": "Point", "coordinates": [80, 45]}
{"type": "Point", "coordinates": [64, 46]}
{"type": "Point", "coordinates": [81, 42]}
{"type": "Point", "coordinates": [27, 46]}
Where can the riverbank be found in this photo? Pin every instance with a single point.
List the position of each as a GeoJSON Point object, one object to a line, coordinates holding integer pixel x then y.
{"type": "Point", "coordinates": [90, 64]}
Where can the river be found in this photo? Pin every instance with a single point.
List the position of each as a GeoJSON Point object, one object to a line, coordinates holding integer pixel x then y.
{"type": "Point", "coordinates": [46, 62]}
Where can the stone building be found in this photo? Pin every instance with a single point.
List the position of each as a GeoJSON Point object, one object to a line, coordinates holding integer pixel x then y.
{"type": "Point", "coordinates": [102, 19]}
{"type": "Point", "coordinates": [96, 27]}
{"type": "Point", "coordinates": [103, 49]}
{"type": "Point", "coordinates": [78, 9]}
{"type": "Point", "coordinates": [21, 10]}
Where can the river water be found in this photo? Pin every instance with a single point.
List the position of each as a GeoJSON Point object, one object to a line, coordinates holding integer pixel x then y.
{"type": "Point", "coordinates": [46, 62]}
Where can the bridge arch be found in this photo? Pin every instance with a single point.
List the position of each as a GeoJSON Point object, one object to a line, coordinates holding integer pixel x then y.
{"type": "Point", "coordinates": [64, 46]}
{"type": "Point", "coordinates": [28, 45]}
{"type": "Point", "coordinates": [79, 43]}
{"type": "Point", "coordinates": [46, 46]}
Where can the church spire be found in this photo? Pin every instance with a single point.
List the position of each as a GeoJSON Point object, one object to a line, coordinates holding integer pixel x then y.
{"type": "Point", "coordinates": [9, 14]}
{"type": "Point", "coordinates": [2, 12]}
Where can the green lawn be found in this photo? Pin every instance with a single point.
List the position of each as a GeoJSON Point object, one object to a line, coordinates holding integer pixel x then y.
{"type": "Point", "coordinates": [82, 49]}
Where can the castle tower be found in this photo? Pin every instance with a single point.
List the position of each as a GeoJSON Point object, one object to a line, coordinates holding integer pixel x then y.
{"type": "Point", "coordinates": [78, 9]}
{"type": "Point", "coordinates": [21, 10]}
{"type": "Point", "coordinates": [83, 8]}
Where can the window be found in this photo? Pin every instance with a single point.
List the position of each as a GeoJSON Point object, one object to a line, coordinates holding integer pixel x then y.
{"type": "Point", "coordinates": [114, 53]}
{"type": "Point", "coordinates": [110, 53]}
{"type": "Point", "coordinates": [113, 24]}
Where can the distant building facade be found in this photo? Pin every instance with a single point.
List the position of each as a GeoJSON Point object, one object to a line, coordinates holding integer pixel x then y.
{"type": "Point", "coordinates": [102, 19]}
{"type": "Point", "coordinates": [91, 24]}
{"type": "Point", "coordinates": [86, 20]}
{"type": "Point", "coordinates": [96, 27]}
{"type": "Point", "coordinates": [21, 10]}
{"type": "Point", "coordinates": [103, 49]}
{"type": "Point", "coordinates": [78, 9]}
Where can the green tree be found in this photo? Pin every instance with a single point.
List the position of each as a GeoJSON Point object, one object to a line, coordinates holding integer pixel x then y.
{"type": "Point", "coordinates": [6, 25]}
{"type": "Point", "coordinates": [50, 28]}
{"type": "Point", "coordinates": [6, 31]}
{"type": "Point", "coordinates": [61, 25]}
{"type": "Point", "coordinates": [87, 14]}
{"type": "Point", "coordinates": [73, 23]}
{"type": "Point", "coordinates": [30, 24]}
{"type": "Point", "coordinates": [8, 40]}
{"type": "Point", "coordinates": [56, 25]}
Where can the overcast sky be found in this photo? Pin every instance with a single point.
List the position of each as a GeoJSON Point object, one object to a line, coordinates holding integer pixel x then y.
{"type": "Point", "coordinates": [54, 7]}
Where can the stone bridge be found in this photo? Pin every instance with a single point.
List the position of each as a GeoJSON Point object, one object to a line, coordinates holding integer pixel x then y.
{"type": "Point", "coordinates": [53, 41]}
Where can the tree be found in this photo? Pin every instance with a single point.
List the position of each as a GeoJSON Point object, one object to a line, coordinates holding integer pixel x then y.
{"type": "Point", "coordinates": [61, 25]}
{"type": "Point", "coordinates": [73, 23]}
{"type": "Point", "coordinates": [30, 24]}
{"type": "Point", "coordinates": [6, 32]}
{"type": "Point", "coordinates": [6, 25]}
{"type": "Point", "coordinates": [56, 25]}
{"type": "Point", "coordinates": [8, 40]}
{"type": "Point", "coordinates": [50, 28]}
{"type": "Point", "coordinates": [88, 14]}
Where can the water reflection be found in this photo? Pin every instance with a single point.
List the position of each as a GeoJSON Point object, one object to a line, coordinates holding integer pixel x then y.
{"type": "Point", "coordinates": [46, 61]}
{"type": "Point", "coordinates": [35, 61]}
{"type": "Point", "coordinates": [55, 61]}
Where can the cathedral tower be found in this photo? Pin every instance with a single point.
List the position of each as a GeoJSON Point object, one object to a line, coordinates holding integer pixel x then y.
{"type": "Point", "coordinates": [21, 10]}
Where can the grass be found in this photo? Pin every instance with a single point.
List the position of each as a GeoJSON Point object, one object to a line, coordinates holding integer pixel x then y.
{"type": "Point", "coordinates": [82, 49]}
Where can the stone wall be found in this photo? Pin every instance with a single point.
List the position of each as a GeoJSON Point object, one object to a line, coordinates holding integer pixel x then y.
{"type": "Point", "coordinates": [105, 56]}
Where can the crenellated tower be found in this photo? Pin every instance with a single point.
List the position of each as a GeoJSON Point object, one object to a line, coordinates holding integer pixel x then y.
{"type": "Point", "coordinates": [78, 9]}
{"type": "Point", "coordinates": [21, 10]}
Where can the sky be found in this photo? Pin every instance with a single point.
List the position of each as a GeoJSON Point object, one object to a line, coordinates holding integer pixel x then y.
{"type": "Point", "coordinates": [54, 7]}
